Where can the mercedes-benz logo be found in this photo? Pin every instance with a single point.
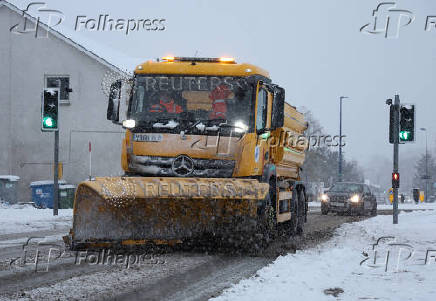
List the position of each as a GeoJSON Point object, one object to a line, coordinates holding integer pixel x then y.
{"type": "Point", "coordinates": [182, 166]}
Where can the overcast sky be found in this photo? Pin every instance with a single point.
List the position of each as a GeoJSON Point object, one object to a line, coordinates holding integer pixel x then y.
{"type": "Point", "coordinates": [312, 48]}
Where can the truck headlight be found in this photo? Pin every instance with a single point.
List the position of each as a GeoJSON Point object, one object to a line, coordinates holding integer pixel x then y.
{"type": "Point", "coordinates": [130, 123]}
{"type": "Point", "coordinates": [324, 197]}
{"type": "Point", "coordinates": [240, 127]}
{"type": "Point", "coordinates": [355, 199]}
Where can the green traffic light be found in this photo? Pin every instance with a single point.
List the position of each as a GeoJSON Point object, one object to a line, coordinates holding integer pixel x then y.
{"type": "Point", "coordinates": [48, 122]}
{"type": "Point", "coordinates": [405, 135]}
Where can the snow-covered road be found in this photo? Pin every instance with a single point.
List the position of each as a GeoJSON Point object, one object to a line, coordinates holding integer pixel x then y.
{"type": "Point", "coordinates": [193, 275]}
{"type": "Point", "coordinates": [353, 264]}
{"type": "Point", "coordinates": [197, 275]}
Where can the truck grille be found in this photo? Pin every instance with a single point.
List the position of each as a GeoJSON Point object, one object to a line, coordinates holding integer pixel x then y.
{"type": "Point", "coordinates": [161, 166]}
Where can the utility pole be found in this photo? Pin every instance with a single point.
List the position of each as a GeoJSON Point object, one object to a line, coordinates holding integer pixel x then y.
{"type": "Point", "coordinates": [90, 162]}
{"type": "Point", "coordinates": [340, 139]}
{"type": "Point", "coordinates": [427, 176]}
{"type": "Point", "coordinates": [396, 144]}
{"type": "Point", "coordinates": [56, 174]}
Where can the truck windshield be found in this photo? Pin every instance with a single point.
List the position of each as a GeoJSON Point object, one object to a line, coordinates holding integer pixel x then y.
{"type": "Point", "coordinates": [200, 103]}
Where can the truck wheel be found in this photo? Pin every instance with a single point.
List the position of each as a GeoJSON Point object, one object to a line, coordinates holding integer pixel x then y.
{"type": "Point", "coordinates": [301, 210]}
{"type": "Point", "coordinates": [268, 215]}
{"type": "Point", "coordinates": [374, 210]}
{"type": "Point", "coordinates": [324, 209]}
{"type": "Point", "coordinates": [293, 223]}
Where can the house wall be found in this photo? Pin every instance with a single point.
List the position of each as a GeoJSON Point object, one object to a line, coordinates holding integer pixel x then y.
{"type": "Point", "coordinates": [25, 150]}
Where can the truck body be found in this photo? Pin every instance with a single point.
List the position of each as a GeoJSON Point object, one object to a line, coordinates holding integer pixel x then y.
{"type": "Point", "coordinates": [211, 146]}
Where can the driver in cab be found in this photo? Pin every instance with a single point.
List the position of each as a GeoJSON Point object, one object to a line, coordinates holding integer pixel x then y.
{"type": "Point", "coordinates": [166, 103]}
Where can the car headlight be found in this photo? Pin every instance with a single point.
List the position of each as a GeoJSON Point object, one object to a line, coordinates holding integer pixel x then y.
{"type": "Point", "coordinates": [324, 197]}
{"type": "Point", "coordinates": [355, 199]}
{"type": "Point", "coordinates": [130, 123]}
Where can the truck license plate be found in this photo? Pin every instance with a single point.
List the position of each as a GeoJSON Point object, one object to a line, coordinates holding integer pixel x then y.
{"type": "Point", "coordinates": [147, 137]}
{"type": "Point", "coordinates": [338, 204]}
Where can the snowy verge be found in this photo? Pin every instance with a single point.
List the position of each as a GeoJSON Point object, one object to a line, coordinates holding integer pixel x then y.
{"type": "Point", "coordinates": [28, 219]}
{"type": "Point", "coordinates": [346, 263]}
{"type": "Point", "coordinates": [407, 206]}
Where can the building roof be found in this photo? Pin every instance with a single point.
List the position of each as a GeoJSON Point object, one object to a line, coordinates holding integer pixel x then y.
{"type": "Point", "coordinates": [10, 178]}
{"type": "Point", "coordinates": [99, 54]}
{"type": "Point", "coordinates": [46, 182]}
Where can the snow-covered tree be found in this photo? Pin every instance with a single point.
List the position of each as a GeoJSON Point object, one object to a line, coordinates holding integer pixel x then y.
{"type": "Point", "coordinates": [420, 170]}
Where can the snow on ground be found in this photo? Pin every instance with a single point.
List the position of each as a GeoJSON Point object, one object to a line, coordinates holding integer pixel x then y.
{"type": "Point", "coordinates": [409, 206]}
{"type": "Point", "coordinates": [339, 264]}
{"type": "Point", "coordinates": [405, 206]}
{"type": "Point", "coordinates": [18, 219]}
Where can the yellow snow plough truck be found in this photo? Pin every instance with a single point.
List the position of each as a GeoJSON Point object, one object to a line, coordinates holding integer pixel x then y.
{"type": "Point", "coordinates": [211, 148]}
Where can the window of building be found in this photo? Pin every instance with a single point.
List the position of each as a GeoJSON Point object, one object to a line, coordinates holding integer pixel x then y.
{"type": "Point", "coordinates": [62, 82]}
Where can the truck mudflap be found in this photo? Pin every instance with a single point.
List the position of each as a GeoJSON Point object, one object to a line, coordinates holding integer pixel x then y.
{"type": "Point", "coordinates": [139, 210]}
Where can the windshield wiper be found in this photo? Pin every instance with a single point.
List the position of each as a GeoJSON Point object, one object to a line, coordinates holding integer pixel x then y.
{"type": "Point", "coordinates": [200, 126]}
{"type": "Point", "coordinates": [170, 125]}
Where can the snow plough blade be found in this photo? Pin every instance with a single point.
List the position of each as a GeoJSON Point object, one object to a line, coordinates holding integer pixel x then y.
{"type": "Point", "coordinates": [141, 210]}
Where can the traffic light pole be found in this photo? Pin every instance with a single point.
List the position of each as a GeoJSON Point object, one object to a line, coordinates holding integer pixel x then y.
{"type": "Point", "coordinates": [396, 144]}
{"type": "Point", "coordinates": [426, 170]}
{"type": "Point", "coordinates": [340, 139]}
{"type": "Point", "coordinates": [56, 174]}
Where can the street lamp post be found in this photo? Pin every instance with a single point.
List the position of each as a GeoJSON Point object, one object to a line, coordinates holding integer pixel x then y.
{"type": "Point", "coordinates": [340, 139]}
{"type": "Point", "coordinates": [426, 166]}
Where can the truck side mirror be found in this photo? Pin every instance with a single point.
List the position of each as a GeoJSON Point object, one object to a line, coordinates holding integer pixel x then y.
{"type": "Point", "coordinates": [113, 107]}
{"type": "Point", "coordinates": [278, 108]}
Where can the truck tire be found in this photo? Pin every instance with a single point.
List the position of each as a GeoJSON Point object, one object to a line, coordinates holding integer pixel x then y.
{"type": "Point", "coordinates": [301, 210]}
{"type": "Point", "coordinates": [324, 209]}
{"type": "Point", "coordinates": [374, 209]}
{"type": "Point", "coordinates": [268, 221]}
{"type": "Point", "coordinates": [293, 223]}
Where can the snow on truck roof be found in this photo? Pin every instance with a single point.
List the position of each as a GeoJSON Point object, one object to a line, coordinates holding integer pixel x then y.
{"type": "Point", "coordinates": [10, 178]}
